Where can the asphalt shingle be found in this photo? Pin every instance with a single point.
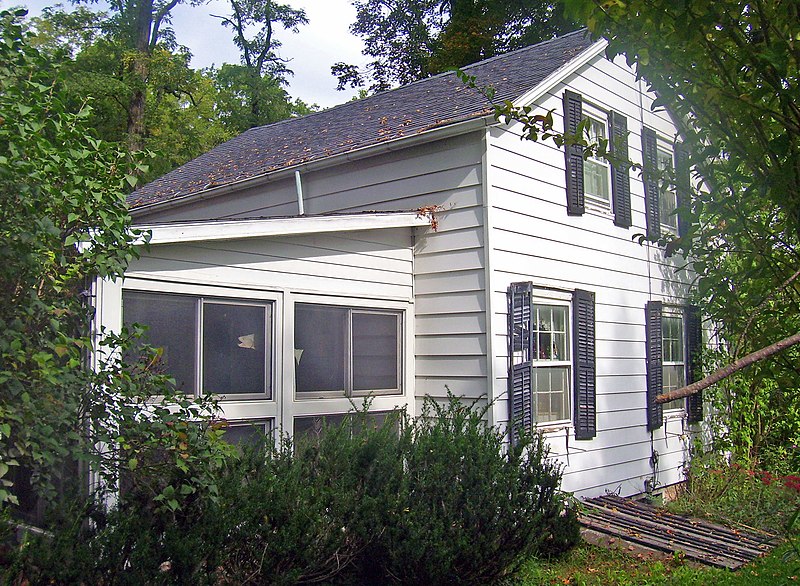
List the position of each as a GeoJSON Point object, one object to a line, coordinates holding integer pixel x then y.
{"type": "Point", "coordinates": [402, 112]}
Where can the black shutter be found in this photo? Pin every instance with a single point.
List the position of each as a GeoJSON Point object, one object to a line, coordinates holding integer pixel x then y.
{"type": "Point", "coordinates": [655, 374]}
{"type": "Point", "coordinates": [584, 363]}
{"type": "Point", "coordinates": [683, 185]}
{"type": "Point", "coordinates": [694, 344]}
{"type": "Point", "coordinates": [650, 177]}
{"type": "Point", "coordinates": [620, 176]}
{"type": "Point", "coordinates": [520, 371]}
{"type": "Point", "coordinates": [573, 154]}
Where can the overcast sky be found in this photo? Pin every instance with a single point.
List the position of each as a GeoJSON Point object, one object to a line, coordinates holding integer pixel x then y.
{"type": "Point", "coordinates": [325, 40]}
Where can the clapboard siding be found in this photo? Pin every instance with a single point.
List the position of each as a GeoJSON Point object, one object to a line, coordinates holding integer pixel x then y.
{"type": "Point", "coordinates": [335, 265]}
{"type": "Point", "coordinates": [449, 265]}
{"type": "Point", "coordinates": [531, 238]}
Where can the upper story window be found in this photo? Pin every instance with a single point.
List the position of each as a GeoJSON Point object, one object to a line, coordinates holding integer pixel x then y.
{"type": "Point", "coordinates": [595, 180]}
{"type": "Point", "coordinates": [597, 171]}
{"type": "Point", "coordinates": [343, 351]}
{"type": "Point", "coordinates": [207, 345]}
{"type": "Point", "coordinates": [667, 196]}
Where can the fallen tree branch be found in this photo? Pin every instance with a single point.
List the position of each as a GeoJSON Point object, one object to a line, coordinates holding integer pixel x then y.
{"type": "Point", "coordinates": [729, 369]}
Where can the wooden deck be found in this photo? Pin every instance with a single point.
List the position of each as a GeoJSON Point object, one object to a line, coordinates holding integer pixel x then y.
{"type": "Point", "coordinates": [653, 528]}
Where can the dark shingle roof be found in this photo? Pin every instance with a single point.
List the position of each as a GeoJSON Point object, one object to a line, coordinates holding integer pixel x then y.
{"type": "Point", "coordinates": [402, 112]}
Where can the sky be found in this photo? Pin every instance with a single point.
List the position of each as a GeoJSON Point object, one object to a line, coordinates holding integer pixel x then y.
{"type": "Point", "coordinates": [325, 40]}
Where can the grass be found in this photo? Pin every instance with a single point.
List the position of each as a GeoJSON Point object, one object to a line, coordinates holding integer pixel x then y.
{"type": "Point", "coordinates": [734, 495]}
{"type": "Point", "coordinates": [590, 565]}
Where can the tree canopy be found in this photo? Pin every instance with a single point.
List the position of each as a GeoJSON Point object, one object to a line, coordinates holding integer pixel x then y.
{"type": "Point", "coordinates": [729, 72]}
{"type": "Point", "coordinates": [410, 40]}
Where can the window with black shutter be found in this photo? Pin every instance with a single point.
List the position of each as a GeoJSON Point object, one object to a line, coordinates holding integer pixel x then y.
{"type": "Point", "coordinates": [551, 354]}
{"type": "Point", "coordinates": [573, 153]}
{"type": "Point", "coordinates": [654, 367]}
{"type": "Point", "coordinates": [674, 341]}
{"type": "Point", "coordinates": [584, 364]}
{"type": "Point", "coordinates": [594, 180]}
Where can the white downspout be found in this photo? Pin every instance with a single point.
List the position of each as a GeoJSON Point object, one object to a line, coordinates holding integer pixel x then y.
{"type": "Point", "coordinates": [299, 186]}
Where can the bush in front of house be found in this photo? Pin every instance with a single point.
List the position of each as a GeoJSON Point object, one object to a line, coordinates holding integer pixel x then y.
{"type": "Point", "coordinates": [468, 509]}
{"type": "Point", "coordinates": [435, 500]}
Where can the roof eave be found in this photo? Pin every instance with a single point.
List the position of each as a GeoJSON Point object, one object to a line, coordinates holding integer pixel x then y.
{"type": "Point", "coordinates": [216, 230]}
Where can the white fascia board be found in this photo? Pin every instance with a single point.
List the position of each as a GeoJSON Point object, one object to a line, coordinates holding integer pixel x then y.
{"type": "Point", "coordinates": [559, 75]}
{"type": "Point", "coordinates": [262, 227]}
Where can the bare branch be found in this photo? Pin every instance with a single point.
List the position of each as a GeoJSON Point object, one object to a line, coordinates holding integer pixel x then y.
{"type": "Point", "coordinates": [726, 371]}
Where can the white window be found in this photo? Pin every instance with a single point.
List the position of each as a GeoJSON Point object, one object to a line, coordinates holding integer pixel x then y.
{"type": "Point", "coordinates": [597, 171]}
{"type": "Point", "coordinates": [218, 346]}
{"type": "Point", "coordinates": [343, 351]}
{"type": "Point", "coordinates": [667, 196]}
{"type": "Point", "coordinates": [673, 361]}
{"type": "Point", "coordinates": [551, 363]}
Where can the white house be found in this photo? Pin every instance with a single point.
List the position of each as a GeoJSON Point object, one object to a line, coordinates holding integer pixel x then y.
{"type": "Point", "coordinates": [291, 273]}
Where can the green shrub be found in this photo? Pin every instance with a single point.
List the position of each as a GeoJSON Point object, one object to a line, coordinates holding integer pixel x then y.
{"type": "Point", "coordinates": [467, 510]}
{"type": "Point", "coordinates": [737, 494]}
{"type": "Point", "coordinates": [436, 500]}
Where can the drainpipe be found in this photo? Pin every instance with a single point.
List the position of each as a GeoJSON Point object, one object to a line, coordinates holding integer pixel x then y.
{"type": "Point", "coordinates": [299, 186]}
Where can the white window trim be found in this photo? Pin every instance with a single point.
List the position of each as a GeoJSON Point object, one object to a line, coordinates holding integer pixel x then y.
{"type": "Point", "coordinates": [598, 203]}
{"type": "Point", "coordinates": [669, 311]}
{"type": "Point", "coordinates": [558, 299]}
{"type": "Point", "coordinates": [293, 406]}
{"type": "Point", "coordinates": [663, 149]}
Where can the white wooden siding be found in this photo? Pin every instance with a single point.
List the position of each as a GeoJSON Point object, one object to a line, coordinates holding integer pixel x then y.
{"type": "Point", "coordinates": [531, 238]}
{"type": "Point", "coordinates": [449, 264]}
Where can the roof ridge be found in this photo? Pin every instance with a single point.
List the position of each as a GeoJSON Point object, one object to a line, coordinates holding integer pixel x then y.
{"type": "Point", "coordinates": [465, 68]}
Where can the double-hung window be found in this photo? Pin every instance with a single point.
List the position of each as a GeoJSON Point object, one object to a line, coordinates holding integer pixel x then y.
{"type": "Point", "coordinates": [673, 345]}
{"type": "Point", "coordinates": [673, 356]}
{"type": "Point", "coordinates": [344, 351]}
{"type": "Point", "coordinates": [596, 170]}
{"type": "Point", "coordinates": [207, 345]}
{"type": "Point", "coordinates": [594, 179]}
{"type": "Point", "coordinates": [667, 195]}
{"type": "Point", "coordinates": [551, 362]}
{"type": "Point", "coordinates": [551, 358]}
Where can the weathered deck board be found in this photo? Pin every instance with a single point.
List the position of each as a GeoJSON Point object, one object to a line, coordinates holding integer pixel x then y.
{"type": "Point", "coordinates": [652, 527]}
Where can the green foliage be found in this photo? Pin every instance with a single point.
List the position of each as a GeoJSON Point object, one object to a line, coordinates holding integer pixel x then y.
{"type": "Point", "coordinates": [252, 94]}
{"type": "Point", "coordinates": [728, 72]}
{"type": "Point", "coordinates": [63, 220]}
{"type": "Point", "coordinates": [738, 495]}
{"type": "Point", "coordinates": [410, 40]}
{"type": "Point", "coordinates": [429, 501]}
{"type": "Point", "coordinates": [466, 511]}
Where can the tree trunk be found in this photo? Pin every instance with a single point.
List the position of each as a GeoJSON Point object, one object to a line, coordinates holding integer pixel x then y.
{"type": "Point", "coordinates": [728, 370]}
{"type": "Point", "coordinates": [143, 20]}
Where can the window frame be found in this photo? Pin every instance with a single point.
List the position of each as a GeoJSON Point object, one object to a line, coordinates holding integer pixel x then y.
{"type": "Point", "coordinates": [349, 392]}
{"type": "Point", "coordinates": [200, 301]}
{"type": "Point", "coordinates": [673, 312]}
{"type": "Point", "coordinates": [550, 298]}
{"type": "Point", "coordinates": [547, 364]}
{"type": "Point", "coordinates": [600, 117]}
{"type": "Point", "coordinates": [668, 219]}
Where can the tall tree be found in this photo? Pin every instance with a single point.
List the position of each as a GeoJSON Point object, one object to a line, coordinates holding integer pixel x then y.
{"type": "Point", "coordinates": [258, 82]}
{"type": "Point", "coordinates": [180, 121]}
{"type": "Point", "coordinates": [412, 39]}
{"type": "Point", "coordinates": [729, 72]}
{"type": "Point", "coordinates": [141, 25]}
